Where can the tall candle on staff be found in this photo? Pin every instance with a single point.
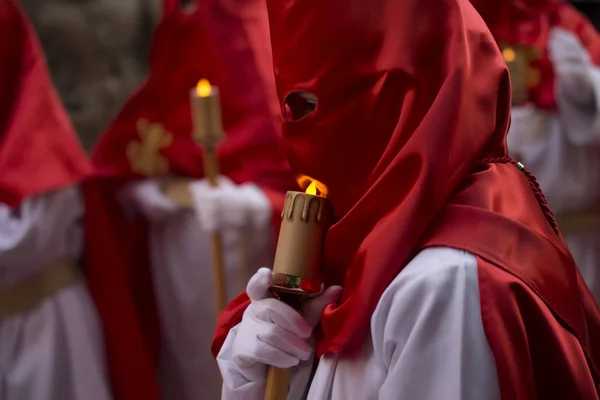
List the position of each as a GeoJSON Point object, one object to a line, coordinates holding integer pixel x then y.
{"type": "Point", "coordinates": [304, 222]}
{"type": "Point", "coordinates": [208, 132]}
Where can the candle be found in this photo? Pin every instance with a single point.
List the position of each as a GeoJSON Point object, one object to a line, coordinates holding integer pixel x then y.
{"type": "Point", "coordinates": [304, 222]}
{"type": "Point", "coordinates": [206, 114]}
{"type": "Point", "coordinates": [208, 132]}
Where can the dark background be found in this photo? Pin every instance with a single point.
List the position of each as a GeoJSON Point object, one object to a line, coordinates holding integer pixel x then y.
{"type": "Point", "coordinates": [591, 8]}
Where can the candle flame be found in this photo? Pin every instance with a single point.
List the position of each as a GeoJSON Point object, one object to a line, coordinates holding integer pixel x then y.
{"type": "Point", "coordinates": [203, 88]}
{"type": "Point", "coordinates": [509, 55]}
{"type": "Point", "coordinates": [312, 186]}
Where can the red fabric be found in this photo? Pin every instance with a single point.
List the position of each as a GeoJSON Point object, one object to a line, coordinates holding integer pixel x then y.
{"type": "Point", "coordinates": [116, 260]}
{"type": "Point", "coordinates": [213, 43]}
{"type": "Point", "coordinates": [39, 150]}
{"type": "Point", "coordinates": [540, 320]}
{"type": "Point", "coordinates": [529, 22]}
{"type": "Point", "coordinates": [406, 114]}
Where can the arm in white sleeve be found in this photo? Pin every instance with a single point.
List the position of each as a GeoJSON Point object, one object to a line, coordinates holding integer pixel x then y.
{"type": "Point", "coordinates": [577, 87]}
{"type": "Point", "coordinates": [239, 383]}
{"type": "Point", "coordinates": [581, 122]}
{"type": "Point", "coordinates": [428, 333]}
{"type": "Point", "coordinates": [36, 228]}
{"type": "Point", "coordinates": [147, 198]}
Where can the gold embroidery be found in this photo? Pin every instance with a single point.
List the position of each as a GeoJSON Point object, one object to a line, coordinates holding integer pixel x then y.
{"type": "Point", "coordinates": [144, 155]}
{"type": "Point", "coordinates": [523, 75]}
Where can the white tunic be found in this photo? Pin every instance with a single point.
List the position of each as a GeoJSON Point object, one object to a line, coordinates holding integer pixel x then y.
{"type": "Point", "coordinates": [54, 351]}
{"type": "Point", "coordinates": [426, 343]}
{"type": "Point", "coordinates": [562, 149]}
{"type": "Point", "coordinates": [183, 281]}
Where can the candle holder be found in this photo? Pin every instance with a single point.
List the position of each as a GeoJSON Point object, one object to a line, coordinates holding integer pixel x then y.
{"type": "Point", "coordinates": [208, 132]}
{"type": "Point", "coordinates": [206, 114]}
{"type": "Point", "coordinates": [304, 222]}
{"type": "Point", "coordinates": [296, 277]}
{"type": "Point", "coordinates": [523, 75]}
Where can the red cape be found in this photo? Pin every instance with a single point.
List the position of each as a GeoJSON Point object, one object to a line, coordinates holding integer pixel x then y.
{"type": "Point", "coordinates": [211, 43]}
{"type": "Point", "coordinates": [39, 150]}
{"type": "Point", "coordinates": [409, 136]}
{"type": "Point", "coordinates": [529, 22]}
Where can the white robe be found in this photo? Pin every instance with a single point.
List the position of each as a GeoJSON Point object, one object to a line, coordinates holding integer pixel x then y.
{"type": "Point", "coordinates": [426, 343]}
{"type": "Point", "coordinates": [183, 281]}
{"type": "Point", "coordinates": [562, 150]}
{"type": "Point", "coordinates": [53, 351]}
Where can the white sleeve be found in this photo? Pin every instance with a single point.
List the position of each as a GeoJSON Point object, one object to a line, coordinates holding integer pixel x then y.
{"type": "Point", "coordinates": [580, 123]}
{"type": "Point", "coordinates": [147, 197]}
{"type": "Point", "coordinates": [428, 333]}
{"type": "Point", "coordinates": [42, 227]}
{"type": "Point", "coordinates": [239, 384]}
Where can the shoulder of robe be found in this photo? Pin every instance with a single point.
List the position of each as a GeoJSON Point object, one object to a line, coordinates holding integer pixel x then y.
{"type": "Point", "coordinates": [435, 281]}
{"type": "Point", "coordinates": [434, 268]}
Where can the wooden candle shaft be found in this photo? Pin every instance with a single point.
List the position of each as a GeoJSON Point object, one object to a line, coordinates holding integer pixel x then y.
{"type": "Point", "coordinates": [278, 383]}
{"type": "Point", "coordinates": [218, 271]}
{"type": "Point", "coordinates": [211, 172]}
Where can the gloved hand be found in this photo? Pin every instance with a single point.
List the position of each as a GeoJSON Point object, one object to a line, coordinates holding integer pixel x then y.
{"type": "Point", "coordinates": [572, 66]}
{"type": "Point", "coordinates": [146, 196]}
{"type": "Point", "coordinates": [229, 205]}
{"type": "Point", "coordinates": [273, 333]}
{"type": "Point", "coordinates": [527, 125]}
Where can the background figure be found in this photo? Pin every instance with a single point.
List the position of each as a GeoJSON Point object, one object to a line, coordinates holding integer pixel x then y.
{"type": "Point", "coordinates": [50, 338]}
{"type": "Point", "coordinates": [97, 51]}
{"type": "Point", "coordinates": [552, 52]}
{"type": "Point", "coordinates": [152, 252]}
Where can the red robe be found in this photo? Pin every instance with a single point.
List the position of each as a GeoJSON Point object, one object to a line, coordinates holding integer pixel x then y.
{"type": "Point", "coordinates": [409, 136]}
{"type": "Point", "coordinates": [209, 43]}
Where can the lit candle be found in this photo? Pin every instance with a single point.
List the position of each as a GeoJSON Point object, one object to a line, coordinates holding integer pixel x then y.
{"type": "Point", "coordinates": [304, 222]}
{"type": "Point", "coordinates": [208, 132]}
{"type": "Point", "coordinates": [206, 114]}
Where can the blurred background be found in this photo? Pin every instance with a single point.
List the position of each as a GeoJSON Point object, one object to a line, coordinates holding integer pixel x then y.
{"type": "Point", "coordinates": [98, 51]}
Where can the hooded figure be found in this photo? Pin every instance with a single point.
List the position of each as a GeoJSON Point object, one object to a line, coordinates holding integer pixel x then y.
{"type": "Point", "coordinates": [456, 283]}
{"type": "Point", "coordinates": [555, 128]}
{"type": "Point", "coordinates": [150, 259]}
{"type": "Point", "coordinates": [50, 338]}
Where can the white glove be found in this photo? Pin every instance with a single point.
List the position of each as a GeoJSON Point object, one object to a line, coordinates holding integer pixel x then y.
{"type": "Point", "coordinates": [146, 196]}
{"type": "Point", "coordinates": [273, 333]}
{"type": "Point", "coordinates": [527, 125]}
{"type": "Point", "coordinates": [572, 65]}
{"type": "Point", "coordinates": [229, 205]}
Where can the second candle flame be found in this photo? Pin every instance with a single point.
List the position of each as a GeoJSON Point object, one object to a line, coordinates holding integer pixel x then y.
{"type": "Point", "coordinates": [203, 88]}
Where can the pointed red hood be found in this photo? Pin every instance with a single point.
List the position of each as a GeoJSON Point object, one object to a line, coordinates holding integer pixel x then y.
{"type": "Point", "coordinates": [39, 150]}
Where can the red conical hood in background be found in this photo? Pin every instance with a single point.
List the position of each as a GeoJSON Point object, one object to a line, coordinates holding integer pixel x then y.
{"type": "Point", "coordinates": [39, 150]}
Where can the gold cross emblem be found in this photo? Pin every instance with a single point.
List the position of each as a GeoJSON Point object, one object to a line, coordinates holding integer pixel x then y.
{"type": "Point", "coordinates": [523, 75]}
{"type": "Point", "coordinates": [144, 155]}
